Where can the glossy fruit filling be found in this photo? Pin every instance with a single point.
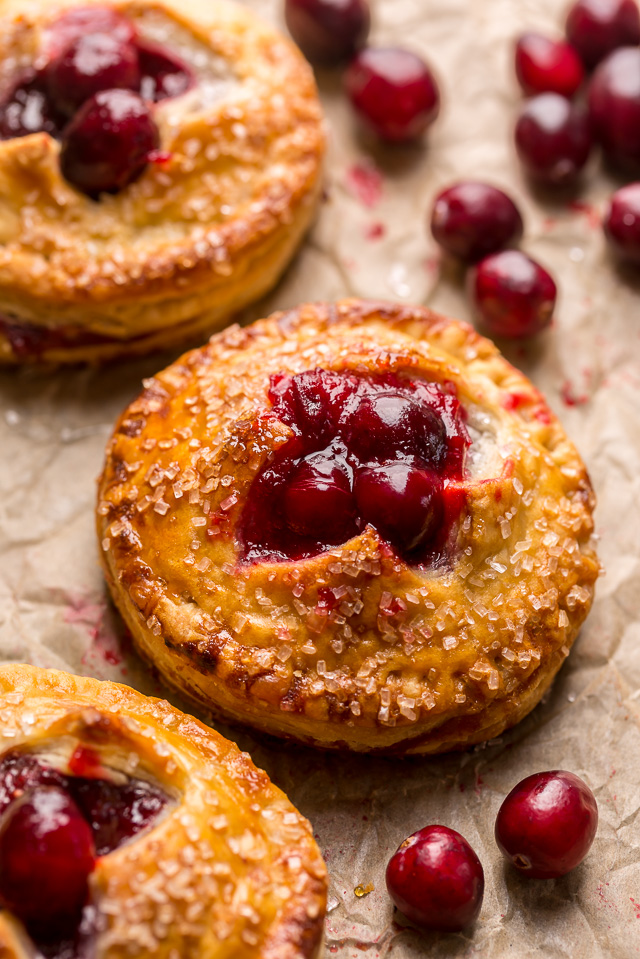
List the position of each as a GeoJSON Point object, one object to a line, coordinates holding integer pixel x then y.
{"type": "Point", "coordinates": [382, 451]}
{"type": "Point", "coordinates": [95, 93]}
{"type": "Point", "coordinates": [53, 826]}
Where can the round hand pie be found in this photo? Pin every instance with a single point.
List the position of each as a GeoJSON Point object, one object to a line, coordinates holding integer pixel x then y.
{"type": "Point", "coordinates": [130, 829]}
{"type": "Point", "coordinates": [160, 162]}
{"type": "Point", "coordinates": [354, 525]}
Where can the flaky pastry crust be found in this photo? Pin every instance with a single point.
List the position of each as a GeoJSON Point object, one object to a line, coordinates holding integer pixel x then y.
{"type": "Point", "coordinates": [411, 660]}
{"type": "Point", "coordinates": [196, 237]}
{"type": "Point", "coordinates": [230, 869]}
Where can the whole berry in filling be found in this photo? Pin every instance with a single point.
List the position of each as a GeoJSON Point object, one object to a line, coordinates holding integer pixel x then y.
{"type": "Point", "coordinates": [89, 65]}
{"type": "Point", "coordinates": [513, 295]}
{"type": "Point", "coordinates": [393, 92]}
{"type": "Point", "coordinates": [547, 66]}
{"type": "Point", "coordinates": [47, 854]}
{"type": "Point", "coordinates": [547, 823]}
{"type": "Point", "coordinates": [328, 31]}
{"type": "Point", "coordinates": [472, 219]}
{"type": "Point", "coordinates": [436, 880]}
{"type": "Point", "coordinates": [365, 451]}
{"type": "Point", "coordinates": [596, 27]}
{"type": "Point", "coordinates": [402, 501]}
{"type": "Point", "coordinates": [116, 812]}
{"type": "Point", "coordinates": [614, 107]}
{"type": "Point", "coordinates": [318, 501]}
{"type": "Point", "coordinates": [622, 222]}
{"type": "Point", "coordinates": [107, 144]}
{"type": "Point", "coordinates": [553, 139]}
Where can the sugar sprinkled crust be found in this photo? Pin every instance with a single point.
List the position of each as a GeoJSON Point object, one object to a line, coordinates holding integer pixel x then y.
{"type": "Point", "coordinates": [409, 660]}
{"type": "Point", "coordinates": [195, 238]}
{"type": "Point", "coordinates": [230, 869]}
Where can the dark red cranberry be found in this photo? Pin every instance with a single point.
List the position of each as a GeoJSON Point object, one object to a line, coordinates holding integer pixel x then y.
{"type": "Point", "coordinates": [513, 295]}
{"type": "Point", "coordinates": [164, 75]}
{"type": "Point", "coordinates": [546, 825]}
{"type": "Point", "coordinates": [472, 219]}
{"type": "Point", "coordinates": [328, 31]}
{"type": "Point", "coordinates": [614, 107]}
{"type": "Point", "coordinates": [311, 401]}
{"type": "Point", "coordinates": [385, 424]}
{"type": "Point", "coordinates": [393, 92]}
{"type": "Point", "coordinates": [116, 812]}
{"type": "Point", "coordinates": [622, 222]}
{"type": "Point", "coordinates": [46, 857]}
{"type": "Point", "coordinates": [436, 880]}
{"type": "Point", "coordinates": [318, 502]}
{"type": "Point", "coordinates": [553, 139]}
{"type": "Point", "coordinates": [596, 27]}
{"type": "Point", "coordinates": [547, 66]}
{"type": "Point", "coordinates": [107, 144]}
{"type": "Point", "coordinates": [27, 109]}
{"type": "Point", "coordinates": [83, 21]}
{"type": "Point", "coordinates": [92, 63]}
{"type": "Point", "coordinates": [402, 501]}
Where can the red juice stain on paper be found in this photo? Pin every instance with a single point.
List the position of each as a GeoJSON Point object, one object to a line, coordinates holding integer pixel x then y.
{"type": "Point", "coordinates": [105, 643]}
{"type": "Point", "coordinates": [636, 906]}
{"type": "Point", "coordinates": [591, 213]}
{"type": "Point", "coordinates": [375, 231]}
{"type": "Point", "coordinates": [364, 182]}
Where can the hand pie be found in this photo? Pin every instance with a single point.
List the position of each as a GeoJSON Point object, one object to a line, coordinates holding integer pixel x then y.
{"type": "Point", "coordinates": [160, 161]}
{"type": "Point", "coordinates": [130, 829]}
{"type": "Point", "coordinates": [353, 525]}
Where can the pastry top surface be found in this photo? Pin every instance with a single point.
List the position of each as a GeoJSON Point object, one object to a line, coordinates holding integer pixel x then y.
{"type": "Point", "coordinates": [230, 868]}
{"type": "Point", "coordinates": [240, 152]}
{"type": "Point", "coordinates": [398, 646]}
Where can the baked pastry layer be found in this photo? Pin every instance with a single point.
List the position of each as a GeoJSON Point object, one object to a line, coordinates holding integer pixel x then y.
{"type": "Point", "coordinates": [409, 658]}
{"type": "Point", "coordinates": [200, 234]}
{"type": "Point", "coordinates": [229, 869]}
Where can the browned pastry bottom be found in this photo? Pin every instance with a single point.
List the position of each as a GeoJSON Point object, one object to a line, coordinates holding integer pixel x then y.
{"type": "Point", "coordinates": [408, 657]}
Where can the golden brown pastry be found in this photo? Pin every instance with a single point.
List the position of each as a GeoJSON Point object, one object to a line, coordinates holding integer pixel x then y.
{"type": "Point", "coordinates": [355, 525]}
{"type": "Point", "coordinates": [128, 829]}
{"type": "Point", "coordinates": [160, 161]}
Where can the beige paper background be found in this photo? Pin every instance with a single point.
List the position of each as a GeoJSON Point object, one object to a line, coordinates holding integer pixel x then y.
{"type": "Point", "coordinates": [53, 428]}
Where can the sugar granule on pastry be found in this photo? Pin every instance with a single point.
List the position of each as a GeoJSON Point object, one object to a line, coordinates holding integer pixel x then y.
{"type": "Point", "coordinates": [160, 162]}
{"type": "Point", "coordinates": [355, 525]}
{"type": "Point", "coordinates": [128, 828]}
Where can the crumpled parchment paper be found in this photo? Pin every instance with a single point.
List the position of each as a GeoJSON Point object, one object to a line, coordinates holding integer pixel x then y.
{"type": "Point", "coordinates": [370, 240]}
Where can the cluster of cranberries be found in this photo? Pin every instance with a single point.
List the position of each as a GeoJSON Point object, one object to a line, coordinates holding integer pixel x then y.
{"type": "Point", "coordinates": [52, 829]}
{"type": "Point", "coordinates": [477, 223]}
{"type": "Point", "coordinates": [392, 90]}
{"type": "Point", "coordinates": [554, 133]}
{"type": "Point", "coordinates": [544, 828]}
{"type": "Point", "coordinates": [380, 451]}
{"type": "Point", "coordinates": [95, 93]}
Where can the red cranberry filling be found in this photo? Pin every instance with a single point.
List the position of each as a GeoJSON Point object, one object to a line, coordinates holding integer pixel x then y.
{"type": "Point", "coordinates": [379, 451]}
{"type": "Point", "coordinates": [52, 827]}
{"type": "Point", "coordinates": [92, 54]}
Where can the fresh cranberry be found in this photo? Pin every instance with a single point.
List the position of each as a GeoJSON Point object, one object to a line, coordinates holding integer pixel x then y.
{"type": "Point", "coordinates": [472, 219]}
{"type": "Point", "coordinates": [547, 66]}
{"type": "Point", "coordinates": [164, 75]}
{"type": "Point", "coordinates": [107, 144]}
{"type": "Point", "coordinates": [84, 21]}
{"type": "Point", "coordinates": [393, 92]}
{"type": "Point", "coordinates": [596, 27]}
{"type": "Point", "coordinates": [92, 63]}
{"type": "Point", "coordinates": [622, 222]}
{"type": "Point", "coordinates": [553, 139]}
{"type": "Point", "coordinates": [116, 812]}
{"type": "Point", "coordinates": [513, 295]}
{"type": "Point", "coordinates": [27, 109]}
{"type": "Point", "coordinates": [402, 501]}
{"type": "Point", "coordinates": [546, 825]}
{"type": "Point", "coordinates": [318, 501]}
{"type": "Point", "coordinates": [328, 31]}
{"type": "Point", "coordinates": [614, 107]}
{"type": "Point", "coordinates": [387, 423]}
{"type": "Point", "coordinates": [436, 880]}
{"type": "Point", "coordinates": [46, 857]}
